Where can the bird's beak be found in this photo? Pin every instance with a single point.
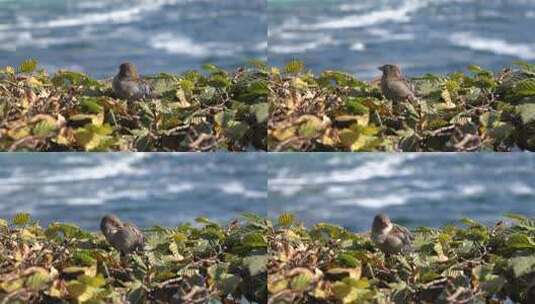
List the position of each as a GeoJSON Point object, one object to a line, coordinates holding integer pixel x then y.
{"type": "Point", "coordinates": [381, 68]}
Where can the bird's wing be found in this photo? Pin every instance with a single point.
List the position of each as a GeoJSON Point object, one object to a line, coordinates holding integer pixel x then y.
{"type": "Point", "coordinates": [403, 233]}
{"type": "Point", "coordinates": [410, 85]}
{"type": "Point", "coordinates": [145, 89]}
{"type": "Point", "coordinates": [401, 87]}
{"type": "Point", "coordinates": [139, 235]}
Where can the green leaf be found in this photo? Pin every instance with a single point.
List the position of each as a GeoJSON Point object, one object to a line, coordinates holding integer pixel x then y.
{"type": "Point", "coordinates": [520, 241]}
{"type": "Point", "coordinates": [301, 281]}
{"type": "Point", "coordinates": [294, 67]}
{"type": "Point", "coordinates": [286, 219]}
{"type": "Point", "coordinates": [355, 107]}
{"type": "Point", "coordinates": [44, 128]}
{"type": "Point", "coordinates": [254, 240]}
{"type": "Point", "coordinates": [37, 280]}
{"type": "Point", "coordinates": [525, 87]}
{"type": "Point", "coordinates": [526, 112]}
{"type": "Point", "coordinates": [28, 66]}
{"type": "Point", "coordinates": [525, 66]}
{"type": "Point", "coordinates": [347, 260]}
{"type": "Point", "coordinates": [204, 220]}
{"type": "Point", "coordinates": [212, 68]}
{"type": "Point", "coordinates": [91, 105]}
{"type": "Point", "coordinates": [21, 219]}
{"type": "Point", "coordinates": [93, 137]}
{"type": "Point", "coordinates": [522, 265]}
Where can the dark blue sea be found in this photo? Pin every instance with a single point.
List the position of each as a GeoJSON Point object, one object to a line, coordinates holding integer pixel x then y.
{"type": "Point", "coordinates": [436, 36]}
{"type": "Point", "coordinates": [94, 36]}
{"type": "Point", "coordinates": [147, 189]}
{"type": "Point", "coordinates": [414, 189]}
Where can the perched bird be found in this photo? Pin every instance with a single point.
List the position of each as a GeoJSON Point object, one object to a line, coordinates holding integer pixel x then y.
{"type": "Point", "coordinates": [389, 237]}
{"type": "Point", "coordinates": [124, 237]}
{"type": "Point", "coordinates": [394, 86]}
{"type": "Point", "coordinates": [128, 85]}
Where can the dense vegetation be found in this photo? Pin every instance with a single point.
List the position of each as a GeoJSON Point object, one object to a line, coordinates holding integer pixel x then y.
{"type": "Point", "coordinates": [219, 110]}
{"type": "Point", "coordinates": [473, 264]}
{"type": "Point", "coordinates": [69, 111]}
{"type": "Point", "coordinates": [334, 111]}
{"type": "Point", "coordinates": [186, 264]}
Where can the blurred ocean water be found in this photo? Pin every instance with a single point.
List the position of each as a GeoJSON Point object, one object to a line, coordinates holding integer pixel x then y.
{"type": "Point", "coordinates": [424, 36]}
{"type": "Point", "coordinates": [158, 35]}
{"type": "Point", "coordinates": [415, 189]}
{"type": "Point", "coordinates": [148, 189]}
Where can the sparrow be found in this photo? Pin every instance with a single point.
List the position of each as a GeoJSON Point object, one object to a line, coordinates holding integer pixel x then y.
{"type": "Point", "coordinates": [124, 237]}
{"type": "Point", "coordinates": [389, 237]}
{"type": "Point", "coordinates": [394, 86]}
{"type": "Point", "coordinates": [128, 85]}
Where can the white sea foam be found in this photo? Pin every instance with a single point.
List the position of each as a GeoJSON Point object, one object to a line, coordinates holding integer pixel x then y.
{"type": "Point", "coordinates": [74, 159]}
{"type": "Point", "coordinates": [521, 189]}
{"type": "Point", "coordinates": [11, 40]}
{"type": "Point", "coordinates": [102, 196]}
{"type": "Point", "coordinates": [107, 168]}
{"type": "Point", "coordinates": [8, 189]}
{"type": "Point", "coordinates": [178, 44]}
{"type": "Point", "coordinates": [295, 47]}
{"type": "Point", "coordinates": [376, 202]}
{"type": "Point", "coordinates": [285, 190]}
{"type": "Point", "coordinates": [84, 201]}
{"type": "Point", "coordinates": [238, 188]}
{"type": "Point", "coordinates": [374, 168]}
{"type": "Point", "coordinates": [118, 16]}
{"type": "Point", "coordinates": [395, 14]}
{"type": "Point", "coordinates": [353, 7]}
{"type": "Point", "coordinates": [358, 46]}
{"type": "Point", "coordinates": [337, 190]}
{"type": "Point", "coordinates": [495, 46]}
{"type": "Point", "coordinates": [179, 188]}
{"type": "Point", "coordinates": [472, 190]}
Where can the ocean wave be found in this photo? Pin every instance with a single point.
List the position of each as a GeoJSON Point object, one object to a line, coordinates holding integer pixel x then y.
{"type": "Point", "coordinates": [237, 188]}
{"type": "Point", "coordinates": [6, 189]}
{"type": "Point", "coordinates": [358, 46]}
{"type": "Point", "coordinates": [380, 167]}
{"type": "Point", "coordinates": [109, 167]}
{"type": "Point", "coordinates": [375, 202]}
{"type": "Point", "coordinates": [100, 197]}
{"type": "Point", "coordinates": [399, 14]}
{"type": "Point", "coordinates": [179, 188]}
{"type": "Point", "coordinates": [303, 46]}
{"type": "Point", "coordinates": [11, 40]}
{"type": "Point", "coordinates": [386, 35]}
{"type": "Point", "coordinates": [118, 16]}
{"type": "Point", "coordinates": [495, 46]}
{"type": "Point", "coordinates": [177, 44]}
{"type": "Point", "coordinates": [285, 190]}
{"type": "Point", "coordinates": [353, 7]}
{"type": "Point", "coordinates": [472, 190]}
{"type": "Point", "coordinates": [521, 189]}
{"type": "Point", "coordinates": [27, 39]}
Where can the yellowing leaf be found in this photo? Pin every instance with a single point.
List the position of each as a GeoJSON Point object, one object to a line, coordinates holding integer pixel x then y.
{"type": "Point", "coordinates": [11, 286]}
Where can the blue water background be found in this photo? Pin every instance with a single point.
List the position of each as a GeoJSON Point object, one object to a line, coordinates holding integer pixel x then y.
{"type": "Point", "coordinates": [414, 189]}
{"type": "Point", "coordinates": [95, 36]}
{"type": "Point", "coordinates": [423, 36]}
{"type": "Point", "coordinates": [147, 189]}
